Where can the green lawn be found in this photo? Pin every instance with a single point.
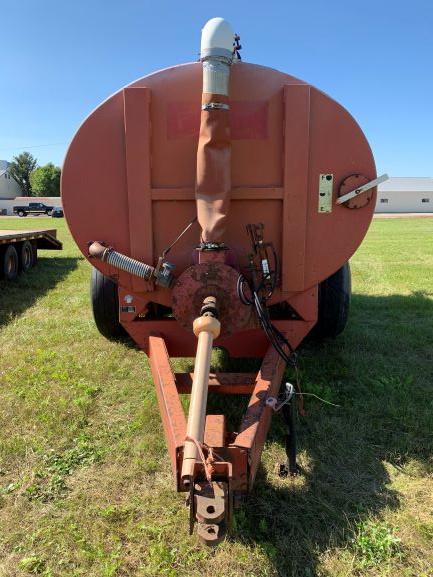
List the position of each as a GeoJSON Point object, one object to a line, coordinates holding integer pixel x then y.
{"type": "Point", "coordinates": [85, 481]}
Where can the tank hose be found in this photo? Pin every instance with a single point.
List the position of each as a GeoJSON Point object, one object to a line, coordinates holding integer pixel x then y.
{"type": "Point", "coordinates": [130, 265]}
{"type": "Point", "coordinates": [162, 274]}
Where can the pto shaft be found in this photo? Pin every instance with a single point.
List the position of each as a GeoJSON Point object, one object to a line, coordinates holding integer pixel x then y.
{"type": "Point", "coordinates": [206, 328]}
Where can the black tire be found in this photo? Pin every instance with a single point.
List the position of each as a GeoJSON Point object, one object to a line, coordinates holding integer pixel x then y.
{"type": "Point", "coordinates": [49, 212]}
{"type": "Point", "coordinates": [35, 252]}
{"type": "Point", "coordinates": [27, 256]}
{"type": "Point", "coordinates": [105, 306]}
{"type": "Point", "coordinates": [9, 262]}
{"type": "Point", "coordinates": [334, 304]}
{"type": "Point", "coordinates": [22, 213]}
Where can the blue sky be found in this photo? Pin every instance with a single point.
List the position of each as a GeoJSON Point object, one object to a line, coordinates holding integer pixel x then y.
{"type": "Point", "coordinates": [60, 59]}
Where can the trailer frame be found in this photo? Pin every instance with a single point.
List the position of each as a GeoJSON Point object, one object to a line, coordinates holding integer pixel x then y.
{"type": "Point", "coordinates": [238, 454]}
{"type": "Point", "coordinates": [45, 238]}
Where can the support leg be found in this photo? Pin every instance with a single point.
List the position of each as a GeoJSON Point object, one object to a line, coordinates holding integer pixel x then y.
{"type": "Point", "coordinates": [290, 467]}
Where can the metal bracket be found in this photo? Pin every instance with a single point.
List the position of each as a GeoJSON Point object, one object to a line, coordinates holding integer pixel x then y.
{"type": "Point", "coordinates": [361, 189]}
{"type": "Point", "coordinates": [277, 404]}
{"type": "Point", "coordinates": [211, 508]}
{"type": "Point", "coordinates": [326, 182]}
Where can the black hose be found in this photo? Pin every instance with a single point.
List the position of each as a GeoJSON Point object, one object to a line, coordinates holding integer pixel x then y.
{"type": "Point", "coordinates": [275, 337]}
{"type": "Point", "coordinates": [240, 288]}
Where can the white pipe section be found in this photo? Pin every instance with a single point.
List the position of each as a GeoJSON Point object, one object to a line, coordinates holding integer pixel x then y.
{"type": "Point", "coordinates": [216, 53]}
{"type": "Point", "coordinates": [216, 39]}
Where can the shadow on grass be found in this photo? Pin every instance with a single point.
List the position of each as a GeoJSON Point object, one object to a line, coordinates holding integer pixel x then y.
{"type": "Point", "coordinates": [379, 372]}
{"type": "Point", "coordinates": [19, 295]}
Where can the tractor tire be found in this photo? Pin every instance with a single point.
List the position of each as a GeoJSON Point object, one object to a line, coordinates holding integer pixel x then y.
{"type": "Point", "coordinates": [9, 262]}
{"type": "Point", "coordinates": [334, 304]}
{"type": "Point", "coordinates": [27, 256]}
{"type": "Point", "coordinates": [105, 306]}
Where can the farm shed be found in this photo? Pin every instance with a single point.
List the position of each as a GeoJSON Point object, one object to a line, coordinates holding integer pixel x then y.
{"type": "Point", "coordinates": [405, 194]}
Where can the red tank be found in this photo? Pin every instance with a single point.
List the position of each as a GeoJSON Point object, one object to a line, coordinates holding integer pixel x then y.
{"type": "Point", "coordinates": [129, 180]}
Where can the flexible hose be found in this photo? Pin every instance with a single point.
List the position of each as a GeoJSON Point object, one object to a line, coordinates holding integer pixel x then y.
{"type": "Point", "coordinates": [275, 337]}
{"type": "Point", "coordinates": [130, 265]}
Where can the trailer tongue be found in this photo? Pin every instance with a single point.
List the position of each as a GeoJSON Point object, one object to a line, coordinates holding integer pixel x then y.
{"type": "Point", "coordinates": [232, 193]}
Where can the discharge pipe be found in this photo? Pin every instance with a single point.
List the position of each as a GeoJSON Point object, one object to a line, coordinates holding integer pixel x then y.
{"type": "Point", "coordinates": [161, 274]}
{"type": "Point", "coordinates": [213, 180]}
{"type": "Point", "coordinates": [206, 328]}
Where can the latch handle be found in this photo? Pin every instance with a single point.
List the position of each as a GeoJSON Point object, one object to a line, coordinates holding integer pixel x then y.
{"type": "Point", "coordinates": [361, 189]}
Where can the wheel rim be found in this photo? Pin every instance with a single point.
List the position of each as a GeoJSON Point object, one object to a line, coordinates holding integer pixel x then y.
{"type": "Point", "coordinates": [27, 257]}
{"type": "Point", "coordinates": [11, 265]}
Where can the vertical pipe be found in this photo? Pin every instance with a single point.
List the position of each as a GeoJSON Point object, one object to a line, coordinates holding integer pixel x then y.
{"type": "Point", "coordinates": [213, 179]}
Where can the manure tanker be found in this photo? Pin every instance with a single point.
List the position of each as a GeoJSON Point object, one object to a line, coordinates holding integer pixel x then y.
{"type": "Point", "coordinates": [233, 197]}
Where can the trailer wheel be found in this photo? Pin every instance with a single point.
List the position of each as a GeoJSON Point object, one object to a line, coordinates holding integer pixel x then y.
{"type": "Point", "coordinates": [27, 256]}
{"type": "Point", "coordinates": [34, 244]}
{"type": "Point", "coordinates": [105, 306]}
{"type": "Point", "coordinates": [22, 213]}
{"type": "Point", "coordinates": [9, 263]}
{"type": "Point", "coordinates": [334, 304]}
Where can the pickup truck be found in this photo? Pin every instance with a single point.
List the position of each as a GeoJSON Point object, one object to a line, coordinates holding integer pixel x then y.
{"type": "Point", "coordinates": [33, 208]}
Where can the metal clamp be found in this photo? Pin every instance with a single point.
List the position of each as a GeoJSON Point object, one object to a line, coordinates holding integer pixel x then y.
{"type": "Point", "coordinates": [215, 106]}
{"type": "Point", "coordinates": [289, 393]}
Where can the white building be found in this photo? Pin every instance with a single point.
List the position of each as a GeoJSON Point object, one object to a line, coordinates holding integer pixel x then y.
{"type": "Point", "coordinates": [9, 188]}
{"type": "Point", "coordinates": [405, 194]}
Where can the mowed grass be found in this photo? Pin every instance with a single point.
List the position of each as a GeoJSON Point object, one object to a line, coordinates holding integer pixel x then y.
{"type": "Point", "coordinates": [85, 480]}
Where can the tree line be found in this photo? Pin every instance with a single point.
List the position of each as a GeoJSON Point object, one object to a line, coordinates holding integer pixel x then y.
{"type": "Point", "coordinates": [35, 180]}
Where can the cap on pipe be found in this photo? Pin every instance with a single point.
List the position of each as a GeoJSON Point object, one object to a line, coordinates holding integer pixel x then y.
{"type": "Point", "coordinates": [216, 39]}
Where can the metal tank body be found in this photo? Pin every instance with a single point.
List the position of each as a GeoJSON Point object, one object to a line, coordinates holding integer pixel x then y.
{"type": "Point", "coordinates": [129, 180]}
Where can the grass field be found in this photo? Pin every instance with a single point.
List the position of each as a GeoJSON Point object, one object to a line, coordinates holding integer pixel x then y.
{"type": "Point", "coordinates": [85, 482]}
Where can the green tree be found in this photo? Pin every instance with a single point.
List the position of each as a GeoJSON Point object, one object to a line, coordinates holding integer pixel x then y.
{"type": "Point", "coordinates": [45, 180]}
{"type": "Point", "coordinates": [20, 169]}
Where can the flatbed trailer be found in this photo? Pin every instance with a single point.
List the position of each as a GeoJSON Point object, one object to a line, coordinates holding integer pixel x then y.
{"type": "Point", "coordinates": [19, 249]}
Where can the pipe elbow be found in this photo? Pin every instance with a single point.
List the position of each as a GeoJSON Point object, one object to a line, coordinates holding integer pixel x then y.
{"type": "Point", "coordinates": [98, 250]}
{"type": "Point", "coordinates": [217, 39]}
